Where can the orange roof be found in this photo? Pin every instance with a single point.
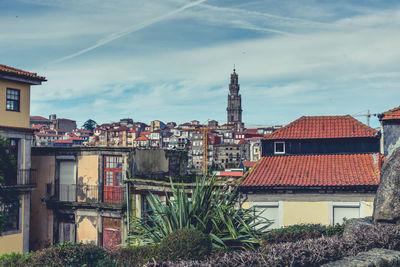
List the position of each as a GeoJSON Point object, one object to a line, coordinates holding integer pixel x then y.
{"type": "Point", "coordinates": [63, 141]}
{"type": "Point", "coordinates": [142, 138]}
{"type": "Point", "coordinates": [316, 170]}
{"type": "Point", "coordinates": [38, 118]}
{"type": "Point", "coordinates": [249, 163]}
{"type": "Point", "coordinates": [5, 68]}
{"type": "Point", "coordinates": [145, 133]}
{"type": "Point", "coordinates": [319, 127]}
{"type": "Point", "coordinates": [393, 114]}
{"type": "Point", "coordinates": [75, 138]}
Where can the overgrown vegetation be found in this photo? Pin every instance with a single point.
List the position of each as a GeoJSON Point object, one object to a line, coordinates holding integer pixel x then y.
{"type": "Point", "coordinates": [186, 244]}
{"type": "Point", "coordinates": [309, 252]}
{"type": "Point", "coordinates": [301, 232]}
{"type": "Point", "coordinates": [211, 209]}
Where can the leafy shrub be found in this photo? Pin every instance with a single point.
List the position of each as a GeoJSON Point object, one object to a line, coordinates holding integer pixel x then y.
{"type": "Point", "coordinates": [14, 259]}
{"type": "Point", "coordinates": [69, 254]}
{"type": "Point", "coordinates": [310, 252]}
{"type": "Point", "coordinates": [211, 210]}
{"type": "Point", "coordinates": [136, 256]}
{"type": "Point", "coordinates": [294, 233]}
{"type": "Point", "coordinates": [186, 244]}
{"type": "Point", "coordinates": [336, 229]}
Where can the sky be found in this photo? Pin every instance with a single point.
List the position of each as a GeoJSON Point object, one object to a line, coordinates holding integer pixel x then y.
{"type": "Point", "coordinates": [171, 60]}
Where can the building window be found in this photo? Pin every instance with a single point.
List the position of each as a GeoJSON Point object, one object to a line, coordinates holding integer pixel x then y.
{"type": "Point", "coordinates": [279, 147]}
{"type": "Point", "coordinates": [345, 210]}
{"type": "Point", "coordinates": [112, 179]}
{"type": "Point", "coordinates": [270, 211]}
{"type": "Point", "coordinates": [13, 212]}
{"type": "Point", "coordinates": [13, 96]}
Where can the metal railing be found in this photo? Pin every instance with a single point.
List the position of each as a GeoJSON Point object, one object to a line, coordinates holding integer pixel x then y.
{"type": "Point", "coordinates": [114, 194]}
{"type": "Point", "coordinates": [26, 177]}
{"type": "Point", "coordinates": [91, 193]}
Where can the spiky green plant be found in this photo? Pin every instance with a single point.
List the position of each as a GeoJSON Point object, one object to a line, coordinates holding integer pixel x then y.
{"type": "Point", "coordinates": [211, 209]}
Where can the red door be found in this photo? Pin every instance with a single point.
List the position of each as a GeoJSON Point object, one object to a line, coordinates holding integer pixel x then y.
{"type": "Point", "coordinates": [111, 233]}
{"type": "Point", "coordinates": [113, 179]}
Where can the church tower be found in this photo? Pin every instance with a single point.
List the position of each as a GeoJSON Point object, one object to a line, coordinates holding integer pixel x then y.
{"type": "Point", "coordinates": [234, 109]}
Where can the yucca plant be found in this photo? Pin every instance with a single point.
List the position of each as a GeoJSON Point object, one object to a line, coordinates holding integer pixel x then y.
{"type": "Point", "coordinates": [211, 209]}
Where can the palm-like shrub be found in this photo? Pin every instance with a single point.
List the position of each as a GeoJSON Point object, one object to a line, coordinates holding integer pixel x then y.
{"type": "Point", "coordinates": [213, 210]}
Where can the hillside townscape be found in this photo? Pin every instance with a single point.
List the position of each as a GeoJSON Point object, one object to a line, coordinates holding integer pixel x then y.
{"type": "Point", "coordinates": [171, 157]}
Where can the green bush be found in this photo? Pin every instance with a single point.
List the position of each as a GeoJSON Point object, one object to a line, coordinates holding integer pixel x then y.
{"type": "Point", "coordinates": [14, 259]}
{"type": "Point", "coordinates": [136, 256]}
{"type": "Point", "coordinates": [294, 233]}
{"type": "Point", "coordinates": [186, 244]}
{"type": "Point", "coordinates": [69, 254]}
{"type": "Point", "coordinates": [212, 209]}
{"type": "Point", "coordinates": [298, 232]}
{"type": "Point", "coordinates": [336, 229]}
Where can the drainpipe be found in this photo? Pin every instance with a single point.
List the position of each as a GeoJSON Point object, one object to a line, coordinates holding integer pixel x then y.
{"type": "Point", "coordinates": [127, 206]}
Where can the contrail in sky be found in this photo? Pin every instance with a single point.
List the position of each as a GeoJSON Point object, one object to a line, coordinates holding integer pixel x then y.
{"type": "Point", "coordinates": [128, 30]}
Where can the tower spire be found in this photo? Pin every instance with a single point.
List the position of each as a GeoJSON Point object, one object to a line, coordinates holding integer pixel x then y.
{"type": "Point", "coordinates": [234, 108]}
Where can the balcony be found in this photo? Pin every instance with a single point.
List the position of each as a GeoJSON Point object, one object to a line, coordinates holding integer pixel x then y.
{"type": "Point", "coordinates": [26, 176]}
{"type": "Point", "coordinates": [83, 193]}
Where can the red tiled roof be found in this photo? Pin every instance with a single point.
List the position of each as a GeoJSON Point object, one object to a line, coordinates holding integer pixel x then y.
{"type": "Point", "coordinates": [38, 118]}
{"type": "Point", "coordinates": [316, 170]}
{"type": "Point", "coordinates": [318, 127]}
{"type": "Point", "coordinates": [142, 138]}
{"type": "Point", "coordinates": [63, 141]}
{"type": "Point", "coordinates": [75, 138]}
{"type": "Point", "coordinates": [37, 126]}
{"type": "Point", "coordinates": [234, 174]}
{"type": "Point", "coordinates": [145, 133]}
{"type": "Point", "coordinates": [249, 163]}
{"type": "Point", "coordinates": [393, 114]}
{"type": "Point", "coordinates": [21, 72]}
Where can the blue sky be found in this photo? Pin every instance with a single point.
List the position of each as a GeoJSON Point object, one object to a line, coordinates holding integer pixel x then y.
{"type": "Point", "coordinates": [171, 59]}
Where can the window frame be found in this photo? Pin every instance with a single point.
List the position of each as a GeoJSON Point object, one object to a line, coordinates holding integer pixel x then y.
{"type": "Point", "coordinates": [18, 101]}
{"type": "Point", "coordinates": [279, 152]}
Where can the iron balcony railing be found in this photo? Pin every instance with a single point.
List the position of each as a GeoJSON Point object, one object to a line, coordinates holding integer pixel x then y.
{"type": "Point", "coordinates": [91, 193]}
{"type": "Point", "coordinates": [26, 177]}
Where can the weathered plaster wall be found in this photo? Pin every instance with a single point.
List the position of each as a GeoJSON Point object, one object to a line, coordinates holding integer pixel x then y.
{"type": "Point", "coordinates": [86, 227]}
{"type": "Point", "coordinates": [41, 232]}
{"type": "Point", "coordinates": [88, 174]}
{"type": "Point", "coordinates": [305, 212]}
{"type": "Point", "coordinates": [391, 135]}
{"type": "Point", "coordinates": [88, 169]}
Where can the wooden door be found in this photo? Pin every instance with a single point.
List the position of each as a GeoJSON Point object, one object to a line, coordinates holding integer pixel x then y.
{"type": "Point", "coordinates": [111, 233]}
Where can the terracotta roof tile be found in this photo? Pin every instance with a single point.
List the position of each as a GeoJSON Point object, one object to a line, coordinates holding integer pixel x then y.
{"type": "Point", "coordinates": [249, 163]}
{"type": "Point", "coordinates": [38, 118]}
{"type": "Point", "coordinates": [21, 72]}
{"type": "Point", "coordinates": [316, 170]}
{"type": "Point", "coordinates": [142, 138]}
{"type": "Point", "coordinates": [393, 114]}
{"type": "Point", "coordinates": [319, 127]}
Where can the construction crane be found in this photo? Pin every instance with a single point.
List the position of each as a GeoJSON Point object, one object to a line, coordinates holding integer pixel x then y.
{"type": "Point", "coordinates": [204, 131]}
{"type": "Point", "coordinates": [368, 116]}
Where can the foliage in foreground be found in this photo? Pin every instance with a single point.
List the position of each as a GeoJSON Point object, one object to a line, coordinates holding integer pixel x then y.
{"type": "Point", "coordinates": [301, 232]}
{"type": "Point", "coordinates": [186, 244]}
{"type": "Point", "coordinates": [310, 252]}
{"type": "Point", "coordinates": [212, 210]}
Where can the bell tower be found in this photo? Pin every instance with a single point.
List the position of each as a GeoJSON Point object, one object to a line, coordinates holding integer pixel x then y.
{"type": "Point", "coordinates": [234, 109]}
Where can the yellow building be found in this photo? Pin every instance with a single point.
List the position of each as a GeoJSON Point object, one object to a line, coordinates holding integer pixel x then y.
{"type": "Point", "coordinates": [14, 124]}
{"type": "Point", "coordinates": [317, 189]}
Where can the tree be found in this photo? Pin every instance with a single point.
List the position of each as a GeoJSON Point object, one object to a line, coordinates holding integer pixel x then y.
{"type": "Point", "coordinates": [89, 125]}
{"type": "Point", "coordinates": [213, 210]}
{"type": "Point", "coordinates": [9, 195]}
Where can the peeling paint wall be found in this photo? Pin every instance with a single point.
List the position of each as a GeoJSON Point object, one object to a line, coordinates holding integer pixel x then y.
{"type": "Point", "coordinates": [88, 174]}
{"type": "Point", "coordinates": [86, 229]}
{"type": "Point", "coordinates": [41, 232]}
